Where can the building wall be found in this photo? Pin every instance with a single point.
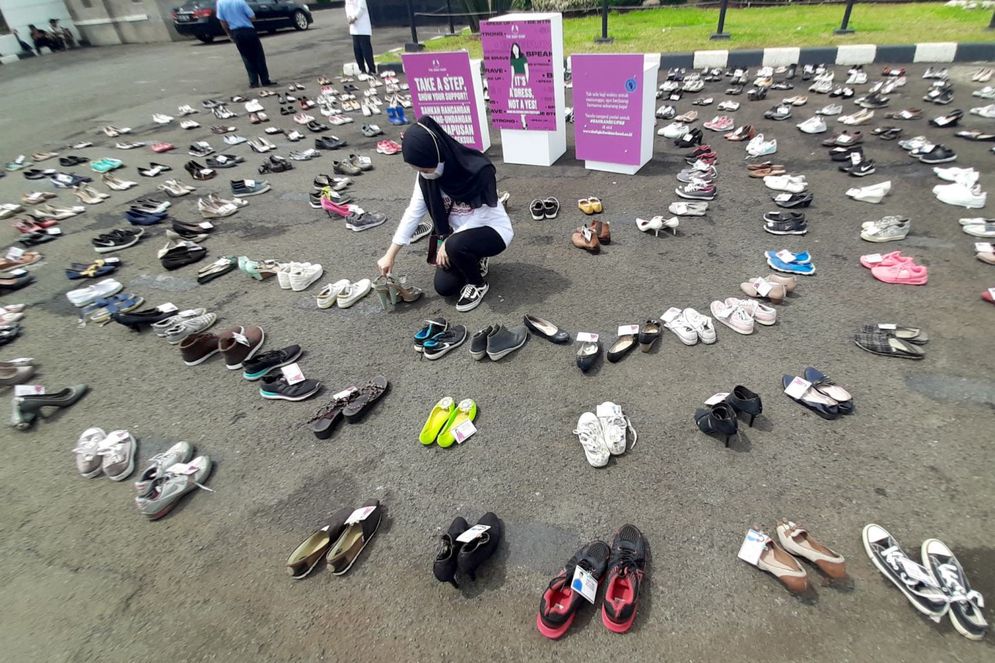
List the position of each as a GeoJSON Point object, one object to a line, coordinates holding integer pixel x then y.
{"type": "Point", "coordinates": [107, 22]}
{"type": "Point", "coordinates": [20, 13]}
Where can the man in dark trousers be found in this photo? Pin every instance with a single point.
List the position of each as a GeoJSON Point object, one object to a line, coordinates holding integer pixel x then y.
{"type": "Point", "coordinates": [236, 19]}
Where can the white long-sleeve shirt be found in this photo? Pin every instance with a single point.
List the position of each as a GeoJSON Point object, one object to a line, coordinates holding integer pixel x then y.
{"type": "Point", "coordinates": [356, 9]}
{"type": "Point", "coordinates": [461, 217]}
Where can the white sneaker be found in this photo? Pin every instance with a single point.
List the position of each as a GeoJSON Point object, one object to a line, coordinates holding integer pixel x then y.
{"type": "Point", "coordinates": [354, 293]}
{"type": "Point", "coordinates": [160, 118]}
{"type": "Point", "coordinates": [984, 111]}
{"type": "Point", "coordinates": [961, 195]}
{"type": "Point", "coordinates": [968, 176]}
{"type": "Point", "coordinates": [83, 296]}
{"type": "Point", "coordinates": [874, 193]}
{"type": "Point", "coordinates": [728, 105]}
{"type": "Point", "coordinates": [789, 183]}
{"type": "Point", "coordinates": [980, 230]}
{"type": "Point", "coordinates": [330, 293]}
{"type": "Point", "coordinates": [830, 109]}
{"type": "Point", "coordinates": [302, 278]}
{"type": "Point", "coordinates": [674, 130]}
{"type": "Point", "coordinates": [701, 324]}
{"type": "Point", "coordinates": [187, 110]}
{"type": "Point", "coordinates": [283, 273]}
{"type": "Point", "coordinates": [614, 425]}
{"type": "Point", "coordinates": [681, 327]}
{"type": "Point", "coordinates": [761, 147]}
{"type": "Point", "coordinates": [813, 125]}
{"type": "Point", "coordinates": [232, 139]}
{"type": "Point", "coordinates": [591, 438]}
{"type": "Point", "coordinates": [733, 317]}
{"type": "Point", "coordinates": [761, 313]}
{"type": "Point", "coordinates": [253, 106]}
{"type": "Point", "coordinates": [987, 92]}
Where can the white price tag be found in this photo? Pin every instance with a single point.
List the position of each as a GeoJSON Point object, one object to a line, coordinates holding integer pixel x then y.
{"type": "Point", "coordinates": [763, 287]}
{"type": "Point", "coordinates": [54, 231]}
{"type": "Point", "coordinates": [464, 431]}
{"type": "Point", "coordinates": [14, 253]}
{"type": "Point", "coordinates": [753, 546]}
{"type": "Point", "coordinates": [168, 307]}
{"type": "Point", "coordinates": [717, 398]}
{"type": "Point", "coordinates": [239, 338]}
{"type": "Point", "coordinates": [472, 533]}
{"type": "Point", "coordinates": [182, 468]}
{"type": "Point", "coordinates": [344, 393]}
{"type": "Point", "coordinates": [293, 373]}
{"type": "Point", "coordinates": [627, 330]}
{"type": "Point", "coordinates": [250, 183]}
{"type": "Point", "coordinates": [111, 261]}
{"type": "Point", "coordinates": [587, 337]}
{"type": "Point", "coordinates": [873, 258]}
{"type": "Point", "coordinates": [360, 514]}
{"type": "Point", "coordinates": [17, 272]}
{"type": "Point", "coordinates": [205, 225]}
{"type": "Point", "coordinates": [991, 292]}
{"type": "Point", "coordinates": [797, 387]}
{"type": "Point", "coordinates": [671, 313]}
{"type": "Point", "coordinates": [984, 247]}
{"type": "Point", "coordinates": [28, 390]}
{"type": "Point", "coordinates": [785, 256]}
{"type": "Point", "coordinates": [887, 325]}
{"type": "Point", "coordinates": [854, 158]}
{"type": "Point", "coordinates": [584, 584]}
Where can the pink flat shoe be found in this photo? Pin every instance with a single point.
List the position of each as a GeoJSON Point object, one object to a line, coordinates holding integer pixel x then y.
{"type": "Point", "coordinates": [886, 260]}
{"type": "Point", "coordinates": [903, 274]}
{"type": "Point", "coordinates": [987, 296]}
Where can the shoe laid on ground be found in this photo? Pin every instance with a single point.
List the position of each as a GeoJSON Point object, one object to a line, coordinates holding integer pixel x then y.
{"type": "Point", "coordinates": [156, 467]}
{"type": "Point", "coordinates": [626, 573]}
{"type": "Point", "coordinates": [591, 436]}
{"type": "Point", "coordinates": [177, 481]}
{"type": "Point", "coordinates": [560, 603]}
{"type": "Point", "coordinates": [777, 562]}
{"type": "Point", "coordinates": [304, 276]}
{"type": "Point", "coordinates": [117, 453]}
{"type": "Point", "coordinates": [797, 541]}
{"type": "Point", "coordinates": [961, 194]}
{"type": "Point", "coordinates": [87, 450]}
{"type": "Point", "coordinates": [354, 292]}
{"type": "Point", "coordinates": [240, 344]}
{"type": "Point", "coordinates": [308, 554]}
{"type": "Point", "coordinates": [243, 188]}
{"type": "Point", "coordinates": [262, 364]}
{"type": "Point", "coordinates": [444, 568]}
{"type": "Point", "coordinates": [874, 193]}
{"type": "Point", "coordinates": [503, 341]}
{"type": "Point", "coordinates": [444, 342]}
{"type": "Point", "coordinates": [276, 387]}
{"type": "Point", "coordinates": [91, 293]}
{"type": "Point", "coordinates": [471, 296]}
{"type": "Point", "coordinates": [813, 125]}
{"type": "Point", "coordinates": [888, 229]}
{"type": "Point", "coordinates": [476, 552]}
{"type": "Point", "coordinates": [912, 579]}
{"type": "Point", "coordinates": [347, 548]}
{"type": "Point", "coordinates": [733, 317]}
{"type": "Point", "coordinates": [965, 603]}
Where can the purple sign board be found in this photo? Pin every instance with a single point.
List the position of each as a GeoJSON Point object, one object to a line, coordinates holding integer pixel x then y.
{"type": "Point", "coordinates": [518, 64]}
{"type": "Point", "coordinates": [608, 105]}
{"type": "Point", "coordinates": [442, 86]}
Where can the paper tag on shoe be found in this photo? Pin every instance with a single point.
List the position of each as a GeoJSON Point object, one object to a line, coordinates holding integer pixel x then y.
{"type": "Point", "coordinates": [991, 292]}
{"type": "Point", "coordinates": [345, 393]}
{"type": "Point", "coordinates": [54, 231]}
{"type": "Point", "coordinates": [797, 387]}
{"type": "Point", "coordinates": [785, 256]}
{"type": "Point", "coordinates": [584, 584]}
{"type": "Point", "coordinates": [984, 247]}
{"type": "Point", "coordinates": [14, 253]}
{"type": "Point", "coordinates": [168, 307]}
{"type": "Point", "coordinates": [607, 410]}
{"type": "Point", "coordinates": [887, 325]}
{"type": "Point", "coordinates": [205, 225]}
{"type": "Point", "coordinates": [717, 398]}
{"type": "Point", "coordinates": [293, 373]}
{"type": "Point", "coordinates": [873, 258]}
{"type": "Point", "coordinates": [753, 546]}
{"type": "Point", "coordinates": [182, 468]}
{"type": "Point", "coordinates": [464, 431]}
{"type": "Point", "coordinates": [763, 287]}
{"type": "Point", "coordinates": [671, 313]}
{"type": "Point", "coordinates": [627, 330]}
{"type": "Point", "coordinates": [360, 514]}
{"type": "Point", "coordinates": [472, 533]}
{"type": "Point", "coordinates": [28, 390]}
{"type": "Point", "coordinates": [587, 337]}
{"type": "Point", "coordinates": [854, 158]}
{"type": "Point", "coordinates": [250, 182]}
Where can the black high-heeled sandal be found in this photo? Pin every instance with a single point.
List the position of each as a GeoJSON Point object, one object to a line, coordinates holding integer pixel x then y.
{"type": "Point", "coordinates": [27, 408]}
{"type": "Point", "coordinates": [719, 419]}
{"type": "Point", "coordinates": [744, 401]}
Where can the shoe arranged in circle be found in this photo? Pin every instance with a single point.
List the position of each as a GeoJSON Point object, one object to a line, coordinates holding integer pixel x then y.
{"type": "Point", "coordinates": [560, 603]}
{"type": "Point", "coordinates": [626, 574]}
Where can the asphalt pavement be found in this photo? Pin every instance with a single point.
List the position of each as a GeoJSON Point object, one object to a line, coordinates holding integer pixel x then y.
{"type": "Point", "coordinates": [83, 577]}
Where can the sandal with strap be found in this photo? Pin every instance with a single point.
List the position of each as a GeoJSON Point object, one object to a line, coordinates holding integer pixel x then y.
{"type": "Point", "coordinates": [389, 290]}
{"type": "Point", "coordinates": [369, 394]}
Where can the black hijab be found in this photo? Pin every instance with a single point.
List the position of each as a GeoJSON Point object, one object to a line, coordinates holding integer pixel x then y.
{"type": "Point", "coordinates": [468, 176]}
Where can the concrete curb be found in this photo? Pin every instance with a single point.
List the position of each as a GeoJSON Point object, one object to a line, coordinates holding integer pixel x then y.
{"type": "Point", "coordinates": [849, 54]}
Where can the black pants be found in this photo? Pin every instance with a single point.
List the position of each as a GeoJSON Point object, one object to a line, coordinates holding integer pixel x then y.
{"type": "Point", "coordinates": [362, 48]}
{"type": "Point", "coordinates": [465, 249]}
{"type": "Point", "coordinates": [251, 49]}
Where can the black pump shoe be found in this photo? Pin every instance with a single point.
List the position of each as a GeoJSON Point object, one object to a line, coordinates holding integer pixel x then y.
{"type": "Point", "coordinates": [135, 319]}
{"type": "Point", "coordinates": [744, 401]}
{"type": "Point", "coordinates": [720, 419]}
{"type": "Point", "coordinates": [478, 551]}
{"type": "Point", "coordinates": [689, 139]}
{"type": "Point", "coordinates": [27, 408]}
{"type": "Point", "coordinates": [445, 561]}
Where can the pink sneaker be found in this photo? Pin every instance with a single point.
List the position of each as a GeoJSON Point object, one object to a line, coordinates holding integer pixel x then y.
{"type": "Point", "coordinates": [872, 260]}
{"type": "Point", "coordinates": [761, 313]}
{"type": "Point", "coordinates": [907, 273]}
{"type": "Point", "coordinates": [733, 317]}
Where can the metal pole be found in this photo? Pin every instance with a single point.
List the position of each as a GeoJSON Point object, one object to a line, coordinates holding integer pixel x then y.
{"type": "Point", "coordinates": [991, 25]}
{"type": "Point", "coordinates": [720, 32]}
{"type": "Point", "coordinates": [844, 28]}
{"type": "Point", "coordinates": [413, 46]}
{"type": "Point", "coordinates": [604, 38]}
{"type": "Point", "coordinates": [449, 10]}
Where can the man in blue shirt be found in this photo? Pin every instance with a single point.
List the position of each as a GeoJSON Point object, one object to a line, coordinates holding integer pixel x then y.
{"type": "Point", "coordinates": [236, 19]}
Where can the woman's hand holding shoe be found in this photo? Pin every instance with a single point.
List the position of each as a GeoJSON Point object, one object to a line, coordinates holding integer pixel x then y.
{"type": "Point", "coordinates": [441, 257]}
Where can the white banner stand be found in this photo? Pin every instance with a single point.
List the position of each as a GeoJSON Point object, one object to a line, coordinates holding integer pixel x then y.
{"type": "Point", "coordinates": [540, 148]}
{"type": "Point", "coordinates": [651, 69]}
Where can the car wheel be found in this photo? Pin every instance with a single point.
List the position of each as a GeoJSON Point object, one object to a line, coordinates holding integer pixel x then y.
{"type": "Point", "coordinates": [300, 20]}
{"type": "Point", "coordinates": [207, 39]}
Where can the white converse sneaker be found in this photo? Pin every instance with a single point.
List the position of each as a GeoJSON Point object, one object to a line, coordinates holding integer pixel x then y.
{"type": "Point", "coordinates": [674, 320]}
{"type": "Point", "coordinates": [304, 276]}
{"type": "Point", "coordinates": [592, 439]}
{"type": "Point", "coordinates": [701, 324]}
{"type": "Point", "coordinates": [614, 425]}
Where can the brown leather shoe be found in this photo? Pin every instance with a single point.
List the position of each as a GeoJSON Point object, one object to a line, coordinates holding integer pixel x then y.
{"type": "Point", "coordinates": [239, 344]}
{"type": "Point", "coordinates": [603, 229]}
{"type": "Point", "coordinates": [197, 348]}
{"type": "Point", "coordinates": [798, 541]}
{"type": "Point", "coordinates": [777, 562]}
{"type": "Point", "coordinates": [587, 239]}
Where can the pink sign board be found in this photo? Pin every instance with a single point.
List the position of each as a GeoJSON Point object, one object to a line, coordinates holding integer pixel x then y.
{"type": "Point", "coordinates": [442, 86]}
{"type": "Point", "coordinates": [608, 100]}
{"type": "Point", "coordinates": [518, 64]}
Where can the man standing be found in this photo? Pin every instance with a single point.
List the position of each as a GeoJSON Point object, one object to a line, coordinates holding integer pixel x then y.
{"type": "Point", "coordinates": [361, 30]}
{"type": "Point", "coordinates": [236, 19]}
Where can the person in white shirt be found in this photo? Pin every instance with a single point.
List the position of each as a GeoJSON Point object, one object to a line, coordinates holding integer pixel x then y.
{"type": "Point", "coordinates": [457, 187]}
{"type": "Point", "coordinates": [358, 16]}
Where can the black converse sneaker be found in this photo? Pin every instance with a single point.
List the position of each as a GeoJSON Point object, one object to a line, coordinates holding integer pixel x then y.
{"type": "Point", "coordinates": [913, 579]}
{"type": "Point", "coordinates": [471, 296]}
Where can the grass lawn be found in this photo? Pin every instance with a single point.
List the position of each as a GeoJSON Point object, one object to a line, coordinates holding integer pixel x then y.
{"type": "Point", "coordinates": [688, 29]}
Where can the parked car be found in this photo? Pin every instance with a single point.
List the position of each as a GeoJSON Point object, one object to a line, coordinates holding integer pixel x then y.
{"type": "Point", "coordinates": [197, 18]}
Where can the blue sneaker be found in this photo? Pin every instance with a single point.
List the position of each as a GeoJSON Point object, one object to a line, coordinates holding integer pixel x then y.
{"type": "Point", "coordinates": [802, 258]}
{"type": "Point", "coordinates": [803, 268]}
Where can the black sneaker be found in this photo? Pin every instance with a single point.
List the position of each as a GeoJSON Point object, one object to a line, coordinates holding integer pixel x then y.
{"type": "Point", "coordinates": [441, 344]}
{"type": "Point", "coordinates": [843, 153]}
{"type": "Point", "coordinates": [276, 387]}
{"type": "Point", "coordinates": [911, 578]}
{"type": "Point", "coordinates": [478, 343]}
{"type": "Point", "coordinates": [965, 604]}
{"type": "Point", "coordinates": [859, 169]}
{"type": "Point", "coordinates": [785, 223]}
{"type": "Point", "coordinates": [502, 341]}
{"type": "Point", "coordinates": [626, 571]}
{"type": "Point", "coordinates": [444, 567]}
{"type": "Point", "coordinates": [789, 200]}
{"type": "Point", "coordinates": [471, 296]}
{"type": "Point", "coordinates": [114, 242]}
{"type": "Point", "coordinates": [365, 221]}
{"type": "Point", "coordinates": [939, 154]}
{"type": "Point", "coordinates": [559, 603]}
{"type": "Point", "coordinates": [479, 550]}
{"type": "Point", "coordinates": [328, 143]}
{"type": "Point", "coordinates": [262, 364]}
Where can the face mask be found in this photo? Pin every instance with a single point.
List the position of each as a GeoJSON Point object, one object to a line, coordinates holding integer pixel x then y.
{"type": "Point", "coordinates": [437, 173]}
